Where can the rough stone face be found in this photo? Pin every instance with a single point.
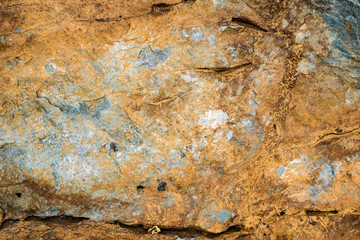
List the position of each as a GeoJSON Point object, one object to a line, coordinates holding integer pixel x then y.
{"type": "Point", "coordinates": [202, 114]}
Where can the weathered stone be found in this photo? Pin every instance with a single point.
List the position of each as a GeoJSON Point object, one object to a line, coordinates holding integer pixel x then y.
{"type": "Point", "coordinates": [192, 114]}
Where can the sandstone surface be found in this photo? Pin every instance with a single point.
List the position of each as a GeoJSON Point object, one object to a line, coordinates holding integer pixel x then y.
{"type": "Point", "coordinates": [207, 115]}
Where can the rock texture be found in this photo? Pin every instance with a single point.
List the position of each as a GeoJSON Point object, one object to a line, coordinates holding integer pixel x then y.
{"type": "Point", "coordinates": [206, 114]}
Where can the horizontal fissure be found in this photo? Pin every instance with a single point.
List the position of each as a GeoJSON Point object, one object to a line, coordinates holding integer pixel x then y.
{"type": "Point", "coordinates": [309, 212]}
{"type": "Point", "coordinates": [225, 70]}
{"type": "Point", "coordinates": [246, 23]}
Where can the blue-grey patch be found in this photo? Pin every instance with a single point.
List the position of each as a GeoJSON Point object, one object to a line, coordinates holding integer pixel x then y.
{"type": "Point", "coordinates": [222, 28]}
{"type": "Point", "coordinates": [92, 108]}
{"type": "Point", "coordinates": [331, 59]}
{"type": "Point", "coordinates": [69, 108]}
{"type": "Point", "coordinates": [122, 158]}
{"type": "Point", "coordinates": [337, 43]}
{"type": "Point", "coordinates": [185, 34]}
{"type": "Point", "coordinates": [51, 212]}
{"type": "Point", "coordinates": [175, 159]}
{"type": "Point", "coordinates": [83, 150]}
{"type": "Point", "coordinates": [325, 179]}
{"type": "Point", "coordinates": [253, 103]}
{"type": "Point", "coordinates": [209, 215]}
{"type": "Point", "coordinates": [301, 36]}
{"type": "Point", "coordinates": [13, 62]}
{"type": "Point", "coordinates": [197, 36]}
{"type": "Point", "coordinates": [13, 158]}
{"type": "Point", "coordinates": [211, 39]}
{"type": "Point", "coordinates": [224, 215]}
{"type": "Point", "coordinates": [326, 175]}
{"type": "Point", "coordinates": [220, 3]}
{"type": "Point", "coordinates": [253, 150]}
{"type": "Point", "coordinates": [306, 66]}
{"type": "Point", "coordinates": [343, 18]}
{"type": "Point", "coordinates": [97, 66]}
{"type": "Point", "coordinates": [250, 138]}
{"type": "Point", "coordinates": [95, 107]}
{"type": "Point", "coordinates": [281, 171]}
{"type": "Point", "coordinates": [50, 68]}
{"type": "Point", "coordinates": [248, 123]}
{"type": "Point", "coordinates": [13, 154]}
{"type": "Point", "coordinates": [311, 55]}
{"type": "Point", "coordinates": [284, 23]}
{"type": "Point", "coordinates": [149, 57]}
{"type": "Point", "coordinates": [169, 200]}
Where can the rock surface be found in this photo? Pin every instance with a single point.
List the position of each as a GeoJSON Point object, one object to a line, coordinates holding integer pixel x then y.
{"type": "Point", "coordinates": [186, 114]}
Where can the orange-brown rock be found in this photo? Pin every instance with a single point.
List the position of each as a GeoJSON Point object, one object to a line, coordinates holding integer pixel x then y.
{"type": "Point", "coordinates": [207, 114]}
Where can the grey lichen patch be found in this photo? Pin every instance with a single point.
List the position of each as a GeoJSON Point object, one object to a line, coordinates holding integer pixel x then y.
{"type": "Point", "coordinates": [149, 57]}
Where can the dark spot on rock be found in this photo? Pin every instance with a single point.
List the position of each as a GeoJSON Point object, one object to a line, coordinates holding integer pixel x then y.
{"type": "Point", "coordinates": [160, 9]}
{"type": "Point", "coordinates": [274, 126]}
{"type": "Point", "coordinates": [313, 223]}
{"type": "Point", "coordinates": [189, 148]}
{"type": "Point", "coordinates": [348, 174]}
{"type": "Point", "coordinates": [218, 169]}
{"type": "Point", "coordinates": [264, 234]}
{"type": "Point", "coordinates": [113, 147]}
{"type": "Point", "coordinates": [18, 195]}
{"type": "Point", "coordinates": [189, 2]}
{"type": "Point", "coordinates": [140, 187]}
{"type": "Point", "coordinates": [161, 5]}
{"type": "Point", "coordinates": [162, 186]}
{"type": "Point", "coordinates": [338, 130]}
{"type": "Point", "coordinates": [282, 213]}
{"type": "Point", "coordinates": [102, 19]}
{"type": "Point", "coordinates": [182, 154]}
{"type": "Point", "coordinates": [52, 234]}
